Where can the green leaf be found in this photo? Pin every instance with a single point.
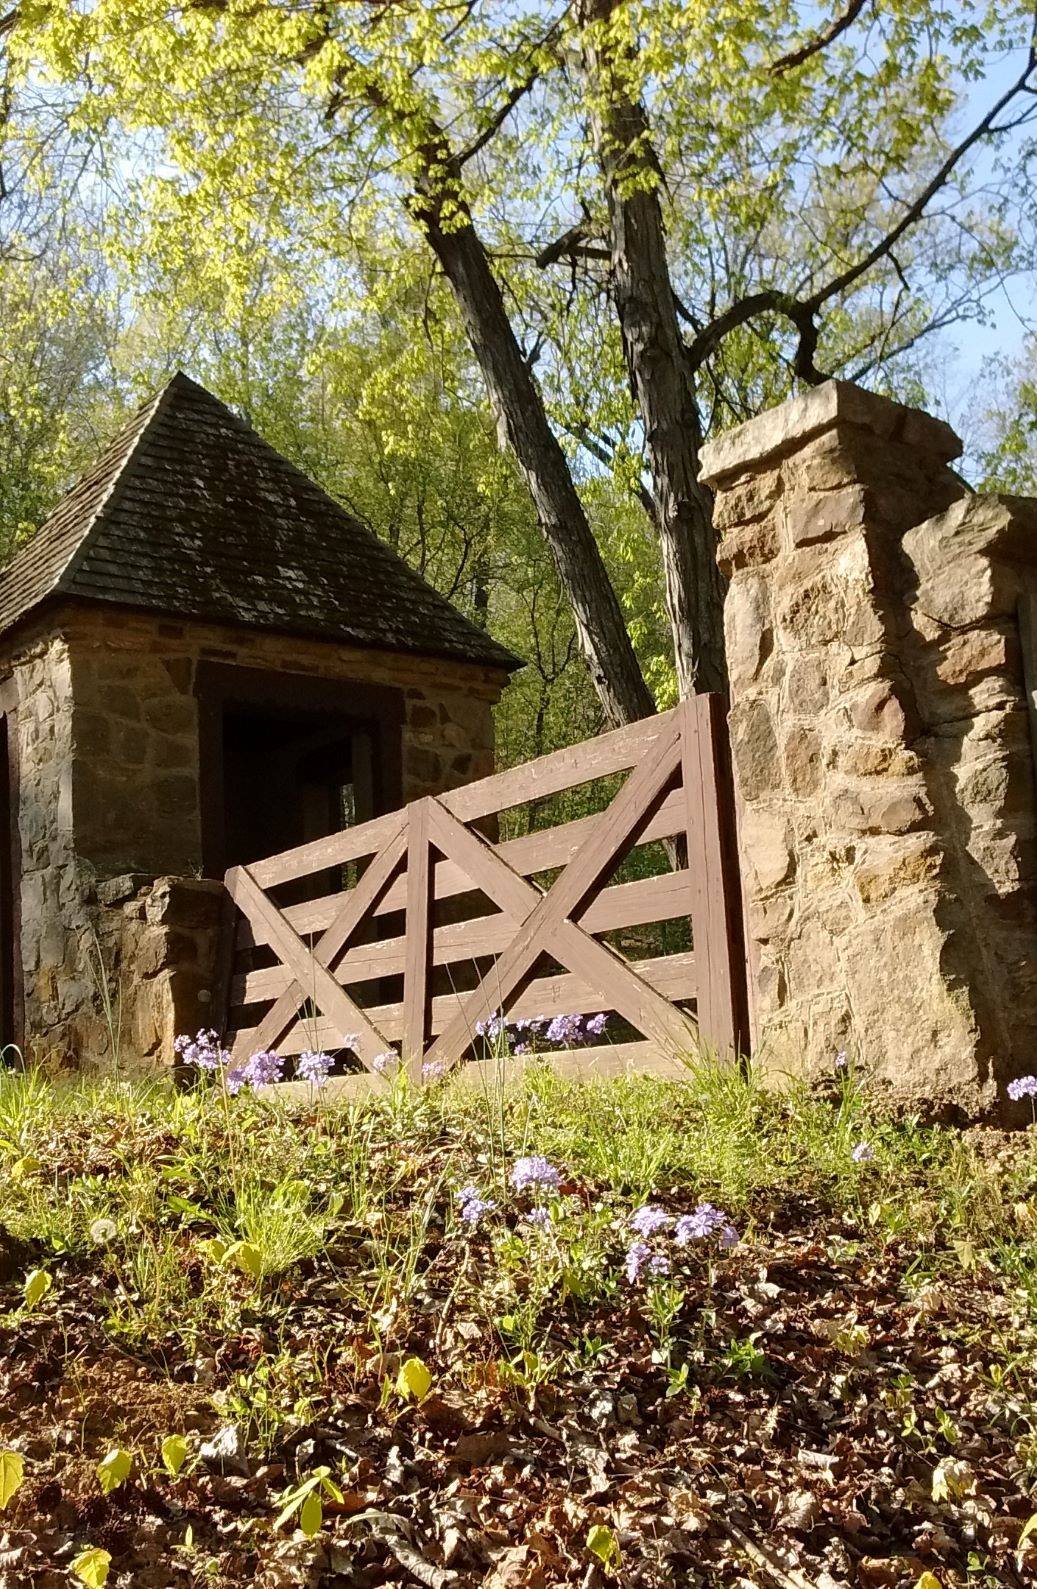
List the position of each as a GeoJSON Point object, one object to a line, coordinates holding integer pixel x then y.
{"type": "Point", "coordinates": [36, 1287]}
{"type": "Point", "coordinates": [311, 1515]}
{"type": "Point", "coordinates": [928, 1580]}
{"type": "Point", "coordinates": [602, 1543]}
{"type": "Point", "coordinates": [242, 1255]}
{"type": "Point", "coordinates": [175, 1452]}
{"type": "Point", "coordinates": [114, 1469]}
{"type": "Point", "coordinates": [414, 1379]}
{"type": "Point", "coordinates": [1029, 1529]}
{"type": "Point", "coordinates": [91, 1567]}
{"type": "Point", "coordinates": [12, 1471]}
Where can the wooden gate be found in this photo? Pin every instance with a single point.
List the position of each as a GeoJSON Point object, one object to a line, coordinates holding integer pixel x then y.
{"type": "Point", "coordinates": [432, 927]}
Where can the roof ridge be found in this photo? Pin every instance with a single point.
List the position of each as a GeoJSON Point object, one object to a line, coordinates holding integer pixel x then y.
{"type": "Point", "coordinates": [144, 418]}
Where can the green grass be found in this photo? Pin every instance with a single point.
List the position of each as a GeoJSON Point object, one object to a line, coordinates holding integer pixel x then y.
{"type": "Point", "coordinates": [273, 1268]}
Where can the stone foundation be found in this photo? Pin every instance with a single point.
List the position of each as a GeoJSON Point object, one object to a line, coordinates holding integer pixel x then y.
{"type": "Point", "coordinates": [111, 901]}
{"type": "Point", "coordinates": [882, 746]}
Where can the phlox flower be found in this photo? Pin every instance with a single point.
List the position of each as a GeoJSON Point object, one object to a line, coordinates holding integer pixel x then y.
{"type": "Point", "coordinates": [649, 1219]}
{"type": "Point", "coordinates": [202, 1050]}
{"type": "Point", "coordinates": [1022, 1087]}
{"type": "Point", "coordinates": [534, 1171]}
{"type": "Point", "coordinates": [314, 1068]}
{"type": "Point", "coordinates": [862, 1153]}
{"type": "Point", "coordinates": [641, 1260]}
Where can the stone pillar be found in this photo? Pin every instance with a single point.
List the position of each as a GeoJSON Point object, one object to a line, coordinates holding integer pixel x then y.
{"type": "Point", "coordinates": [881, 746]}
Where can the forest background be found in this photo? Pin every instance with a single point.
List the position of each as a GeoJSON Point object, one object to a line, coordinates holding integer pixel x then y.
{"type": "Point", "coordinates": [493, 271]}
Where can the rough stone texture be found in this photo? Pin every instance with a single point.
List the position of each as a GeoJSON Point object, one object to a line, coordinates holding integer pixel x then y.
{"type": "Point", "coordinates": [112, 907]}
{"type": "Point", "coordinates": [882, 746]}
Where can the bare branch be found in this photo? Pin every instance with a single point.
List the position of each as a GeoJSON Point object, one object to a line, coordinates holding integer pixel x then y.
{"type": "Point", "coordinates": [803, 311]}
{"type": "Point", "coordinates": [820, 41]}
{"type": "Point", "coordinates": [497, 120]}
{"type": "Point", "coordinates": [572, 244]}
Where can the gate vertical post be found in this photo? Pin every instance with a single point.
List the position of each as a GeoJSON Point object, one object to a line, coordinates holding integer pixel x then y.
{"type": "Point", "coordinates": [418, 940]}
{"type": "Point", "coordinates": [716, 898]}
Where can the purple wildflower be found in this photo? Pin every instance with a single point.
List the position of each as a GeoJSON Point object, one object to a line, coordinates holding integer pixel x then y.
{"type": "Point", "coordinates": [842, 1060]}
{"type": "Point", "coordinates": [236, 1079]}
{"type": "Point", "coordinates": [534, 1171]}
{"type": "Point", "coordinates": [202, 1050]}
{"type": "Point", "coordinates": [641, 1260]}
{"type": "Point", "coordinates": [862, 1153]}
{"type": "Point", "coordinates": [647, 1220]}
{"type": "Point", "coordinates": [702, 1222]}
{"type": "Point", "coordinates": [474, 1205]}
{"type": "Point", "coordinates": [263, 1069]}
{"type": "Point", "coordinates": [433, 1069]}
{"type": "Point", "coordinates": [314, 1068]}
{"type": "Point", "coordinates": [492, 1027]}
{"type": "Point", "coordinates": [596, 1024]}
{"type": "Point", "coordinates": [1022, 1087]}
{"type": "Point", "coordinates": [382, 1062]}
{"type": "Point", "coordinates": [564, 1029]}
{"type": "Point", "coordinates": [541, 1217]}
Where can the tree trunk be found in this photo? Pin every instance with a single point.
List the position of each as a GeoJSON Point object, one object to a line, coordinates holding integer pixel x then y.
{"type": "Point", "coordinates": [523, 424]}
{"type": "Point", "coordinates": [657, 366]}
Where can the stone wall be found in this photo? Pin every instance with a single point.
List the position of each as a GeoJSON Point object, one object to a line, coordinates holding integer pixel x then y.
{"type": "Point", "coordinates": [113, 907]}
{"type": "Point", "coordinates": [881, 745]}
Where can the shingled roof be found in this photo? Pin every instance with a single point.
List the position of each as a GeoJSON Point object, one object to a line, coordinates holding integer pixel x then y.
{"type": "Point", "coordinates": [189, 512]}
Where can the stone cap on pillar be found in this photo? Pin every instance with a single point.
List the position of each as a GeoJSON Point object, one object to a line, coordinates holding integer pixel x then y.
{"type": "Point", "coordinates": [762, 441]}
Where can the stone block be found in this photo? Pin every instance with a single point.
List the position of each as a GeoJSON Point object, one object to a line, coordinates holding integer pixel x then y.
{"type": "Point", "coordinates": [748, 546]}
{"type": "Point", "coordinates": [888, 866]}
{"type": "Point", "coordinates": [748, 631]}
{"type": "Point", "coordinates": [802, 761]}
{"type": "Point", "coordinates": [766, 848]}
{"type": "Point", "coordinates": [812, 518]}
{"type": "Point", "coordinates": [754, 747]}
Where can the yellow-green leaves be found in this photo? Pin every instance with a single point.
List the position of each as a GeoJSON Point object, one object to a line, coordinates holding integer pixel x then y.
{"type": "Point", "coordinates": [311, 1514]}
{"type": "Point", "coordinates": [12, 1471]}
{"type": "Point", "coordinates": [305, 1500]}
{"type": "Point", "coordinates": [114, 1469]}
{"type": "Point", "coordinates": [37, 1284]}
{"type": "Point", "coordinates": [244, 1256]}
{"type": "Point", "coordinates": [603, 1545]}
{"type": "Point", "coordinates": [413, 1380]}
{"type": "Point", "coordinates": [175, 1452]}
{"type": "Point", "coordinates": [91, 1567]}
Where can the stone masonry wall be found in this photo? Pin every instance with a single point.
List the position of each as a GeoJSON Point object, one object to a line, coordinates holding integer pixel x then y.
{"type": "Point", "coordinates": [112, 904]}
{"type": "Point", "coordinates": [881, 747]}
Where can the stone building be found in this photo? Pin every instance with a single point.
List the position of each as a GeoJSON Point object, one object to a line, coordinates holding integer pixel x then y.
{"type": "Point", "coordinates": [203, 659]}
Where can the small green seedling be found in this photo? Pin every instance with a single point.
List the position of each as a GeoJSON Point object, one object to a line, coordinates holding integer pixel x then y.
{"type": "Point", "coordinates": [175, 1452]}
{"type": "Point", "coordinates": [37, 1284]}
{"type": "Point", "coordinates": [114, 1469]}
{"type": "Point", "coordinates": [413, 1380]}
{"type": "Point", "coordinates": [604, 1546]}
{"type": "Point", "coordinates": [305, 1500]}
{"type": "Point", "coordinates": [91, 1567]}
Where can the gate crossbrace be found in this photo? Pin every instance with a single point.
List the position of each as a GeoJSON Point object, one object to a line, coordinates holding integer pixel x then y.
{"type": "Point", "coordinates": [544, 918]}
{"type": "Point", "coordinates": [313, 966]}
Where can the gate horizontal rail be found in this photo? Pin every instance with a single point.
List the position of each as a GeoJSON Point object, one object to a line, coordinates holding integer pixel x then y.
{"type": "Point", "coordinates": [442, 927]}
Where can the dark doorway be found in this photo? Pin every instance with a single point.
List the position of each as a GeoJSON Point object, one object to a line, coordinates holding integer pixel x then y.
{"type": "Point", "coordinates": [286, 759]}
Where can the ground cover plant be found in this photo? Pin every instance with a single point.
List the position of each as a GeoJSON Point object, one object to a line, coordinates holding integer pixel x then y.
{"type": "Point", "coordinates": [636, 1332]}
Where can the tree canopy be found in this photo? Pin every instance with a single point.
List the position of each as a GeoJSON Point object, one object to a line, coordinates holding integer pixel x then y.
{"type": "Point", "coordinates": [626, 222]}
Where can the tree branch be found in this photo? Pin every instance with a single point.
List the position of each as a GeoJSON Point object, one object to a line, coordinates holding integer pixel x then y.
{"type": "Point", "coordinates": [819, 42]}
{"type": "Point", "coordinates": [572, 244]}
{"type": "Point", "coordinates": [497, 120]}
{"type": "Point", "coordinates": [803, 311]}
